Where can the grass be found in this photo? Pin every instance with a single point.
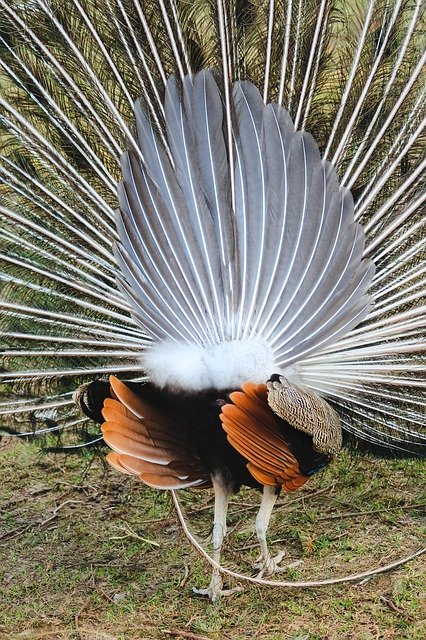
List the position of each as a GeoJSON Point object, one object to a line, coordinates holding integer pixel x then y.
{"type": "Point", "coordinates": [88, 554]}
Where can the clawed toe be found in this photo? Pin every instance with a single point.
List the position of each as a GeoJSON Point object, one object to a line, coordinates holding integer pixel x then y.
{"type": "Point", "coordinates": [215, 591]}
{"type": "Point", "coordinates": [268, 566]}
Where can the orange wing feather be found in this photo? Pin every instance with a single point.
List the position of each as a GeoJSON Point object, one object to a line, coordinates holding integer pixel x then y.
{"type": "Point", "coordinates": [252, 430]}
{"type": "Point", "coordinates": [147, 444]}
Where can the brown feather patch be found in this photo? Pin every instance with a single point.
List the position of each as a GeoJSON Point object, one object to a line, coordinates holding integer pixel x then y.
{"type": "Point", "coordinates": [305, 410]}
{"type": "Point", "coordinates": [114, 460]}
{"type": "Point", "coordinates": [253, 431]}
{"type": "Point", "coordinates": [147, 442]}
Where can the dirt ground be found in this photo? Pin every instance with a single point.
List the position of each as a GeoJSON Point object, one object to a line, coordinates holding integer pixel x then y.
{"type": "Point", "coordinates": [89, 554]}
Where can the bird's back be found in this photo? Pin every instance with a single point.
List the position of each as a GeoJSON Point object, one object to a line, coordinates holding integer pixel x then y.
{"type": "Point", "coordinates": [175, 440]}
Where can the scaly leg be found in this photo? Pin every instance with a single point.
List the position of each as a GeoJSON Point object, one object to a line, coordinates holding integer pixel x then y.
{"type": "Point", "coordinates": [221, 499]}
{"type": "Point", "coordinates": [265, 563]}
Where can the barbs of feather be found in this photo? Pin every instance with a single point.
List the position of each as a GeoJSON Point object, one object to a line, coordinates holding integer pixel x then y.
{"type": "Point", "coordinates": [227, 293]}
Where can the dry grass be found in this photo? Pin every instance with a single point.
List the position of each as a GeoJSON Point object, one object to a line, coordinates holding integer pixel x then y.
{"type": "Point", "coordinates": [90, 555]}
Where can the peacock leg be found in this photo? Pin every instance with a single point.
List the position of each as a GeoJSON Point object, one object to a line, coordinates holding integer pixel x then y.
{"type": "Point", "coordinates": [221, 498]}
{"type": "Point", "coordinates": [266, 564]}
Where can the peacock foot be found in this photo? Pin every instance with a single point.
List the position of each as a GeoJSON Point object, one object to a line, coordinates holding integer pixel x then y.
{"type": "Point", "coordinates": [215, 589]}
{"type": "Point", "coordinates": [269, 565]}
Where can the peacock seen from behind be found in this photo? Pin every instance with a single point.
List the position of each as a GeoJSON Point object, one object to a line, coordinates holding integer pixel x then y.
{"type": "Point", "coordinates": [212, 238]}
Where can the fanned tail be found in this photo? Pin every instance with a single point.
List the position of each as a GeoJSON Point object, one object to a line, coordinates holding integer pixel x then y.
{"type": "Point", "coordinates": [279, 274]}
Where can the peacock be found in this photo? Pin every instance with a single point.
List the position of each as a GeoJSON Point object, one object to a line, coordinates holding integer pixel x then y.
{"type": "Point", "coordinates": [212, 242]}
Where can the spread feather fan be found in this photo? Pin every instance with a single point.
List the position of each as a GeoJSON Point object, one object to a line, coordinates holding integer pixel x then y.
{"type": "Point", "coordinates": [257, 275]}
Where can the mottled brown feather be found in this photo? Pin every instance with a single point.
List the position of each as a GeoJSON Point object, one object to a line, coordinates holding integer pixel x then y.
{"type": "Point", "coordinates": [308, 412]}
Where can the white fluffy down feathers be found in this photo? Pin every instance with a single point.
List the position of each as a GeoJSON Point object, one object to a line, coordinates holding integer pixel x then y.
{"type": "Point", "coordinates": [227, 365]}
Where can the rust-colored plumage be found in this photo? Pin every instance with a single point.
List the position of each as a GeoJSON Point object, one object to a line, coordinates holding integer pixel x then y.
{"type": "Point", "coordinates": [252, 429]}
{"type": "Point", "coordinates": [146, 443]}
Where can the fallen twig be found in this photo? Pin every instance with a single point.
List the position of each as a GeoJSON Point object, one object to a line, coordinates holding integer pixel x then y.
{"type": "Point", "coordinates": [109, 565]}
{"type": "Point", "coordinates": [307, 495]}
{"type": "Point", "coordinates": [185, 634]}
{"type": "Point", "coordinates": [354, 514]}
{"type": "Point", "coordinates": [168, 518]}
{"type": "Point", "coordinates": [255, 545]}
{"type": "Point", "coordinates": [36, 523]}
{"type": "Point", "coordinates": [57, 509]}
{"type": "Point", "coordinates": [249, 506]}
{"type": "Point", "coordinates": [24, 498]}
{"type": "Point", "coordinates": [16, 532]}
{"type": "Point", "coordinates": [129, 533]}
{"type": "Point", "coordinates": [393, 607]}
{"type": "Point", "coordinates": [182, 583]}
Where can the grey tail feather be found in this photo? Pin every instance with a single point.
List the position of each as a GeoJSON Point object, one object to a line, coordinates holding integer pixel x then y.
{"type": "Point", "coordinates": [284, 263]}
